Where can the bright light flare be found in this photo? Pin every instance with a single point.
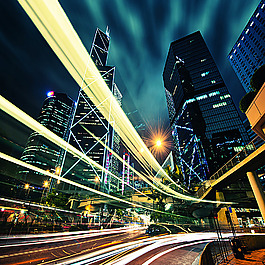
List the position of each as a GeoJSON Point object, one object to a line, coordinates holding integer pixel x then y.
{"type": "Point", "coordinates": [50, 94]}
{"type": "Point", "coordinates": [158, 143]}
{"type": "Point", "coordinates": [46, 184]}
{"type": "Point", "coordinates": [158, 140]}
{"type": "Point", "coordinates": [55, 27]}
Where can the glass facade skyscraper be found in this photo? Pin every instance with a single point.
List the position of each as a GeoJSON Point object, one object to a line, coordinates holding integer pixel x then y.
{"type": "Point", "coordinates": [90, 126]}
{"type": "Point", "coordinates": [206, 128]}
{"type": "Point", "coordinates": [248, 53]}
{"type": "Point", "coordinates": [56, 115]}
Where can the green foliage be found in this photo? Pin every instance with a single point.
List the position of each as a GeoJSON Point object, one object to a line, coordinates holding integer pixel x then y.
{"type": "Point", "coordinates": [176, 175]}
{"type": "Point", "coordinates": [246, 101]}
{"type": "Point", "coordinates": [56, 199]}
{"type": "Point", "coordinates": [258, 79]}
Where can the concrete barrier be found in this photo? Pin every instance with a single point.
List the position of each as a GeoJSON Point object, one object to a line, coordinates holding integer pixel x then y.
{"type": "Point", "coordinates": [253, 242]}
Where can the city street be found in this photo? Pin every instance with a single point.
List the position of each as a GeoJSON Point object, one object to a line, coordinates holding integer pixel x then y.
{"type": "Point", "coordinates": [126, 245]}
{"type": "Point", "coordinates": [132, 132]}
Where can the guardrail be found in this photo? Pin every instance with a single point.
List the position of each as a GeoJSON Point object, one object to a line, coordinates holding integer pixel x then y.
{"type": "Point", "coordinates": [215, 252]}
{"type": "Point", "coordinates": [239, 157]}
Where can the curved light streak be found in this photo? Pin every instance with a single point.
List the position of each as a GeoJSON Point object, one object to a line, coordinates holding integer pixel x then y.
{"type": "Point", "coordinates": [55, 27]}
{"type": "Point", "coordinates": [163, 242]}
{"type": "Point", "coordinates": [44, 172]}
{"type": "Point", "coordinates": [24, 118]}
{"type": "Point", "coordinates": [144, 178]}
{"type": "Point", "coordinates": [172, 249]}
{"type": "Point", "coordinates": [53, 24]}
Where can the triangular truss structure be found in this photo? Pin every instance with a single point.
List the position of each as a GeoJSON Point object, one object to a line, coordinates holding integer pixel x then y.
{"type": "Point", "coordinates": [88, 118]}
{"type": "Point", "coordinates": [190, 153]}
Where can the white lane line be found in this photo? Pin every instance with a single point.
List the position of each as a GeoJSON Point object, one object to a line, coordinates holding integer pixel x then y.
{"type": "Point", "coordinates": [171, 249]}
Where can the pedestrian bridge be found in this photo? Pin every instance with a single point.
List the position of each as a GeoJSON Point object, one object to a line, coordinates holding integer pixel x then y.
{"type": "Point", "coordinates": [231, 178]}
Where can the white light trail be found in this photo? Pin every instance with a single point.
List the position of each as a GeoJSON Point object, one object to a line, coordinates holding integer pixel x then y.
{"type": "Point", "coordinates": [24, 118]}
{"type": "Point", "coordinates": [157, 256]}
{"type": "Point", "coordinates": [55, 27]}
{"type": "Point", "coordinates": [44, 172]}
{"type": "Point", "coordinates": [175, 239]}
{"type": "Point", "coordinates": [52, 22]}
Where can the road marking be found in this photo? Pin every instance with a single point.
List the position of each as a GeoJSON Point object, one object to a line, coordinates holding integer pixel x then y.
{"type": "Point", "coordinates": [118, 256]}
{"type": "Point", "coordinates": [169, 250]}
{"type": "Point", "coordinates": [47, 249]}
{"type": "Point", "coordinates": [29, 261]}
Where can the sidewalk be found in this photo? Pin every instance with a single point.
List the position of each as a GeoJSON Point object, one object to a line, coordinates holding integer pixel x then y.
{"type": "Point", "coordinates": [256, 257]}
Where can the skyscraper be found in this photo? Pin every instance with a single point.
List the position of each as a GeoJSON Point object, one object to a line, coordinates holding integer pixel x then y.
{"type": "Point", "coordinates": [114, 162]}
{"type": "Point", "coordinates": [248, 53]}
{"type": "Point", "coordinates": [56, 115]}
{"type": "Point", "coordinates": [90, 127]}
{"type": "Point", "coordinates": [206, 128]}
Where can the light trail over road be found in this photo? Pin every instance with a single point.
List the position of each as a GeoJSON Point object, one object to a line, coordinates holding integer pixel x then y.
{"type": "Point", "coordinates": [127, 245]}
{"type": "Point", "coordinates": [145, 250]}
{"type": "Point", "coordinates": [35, 249]}
{"type": "Point", "coordinates": [52, 22]}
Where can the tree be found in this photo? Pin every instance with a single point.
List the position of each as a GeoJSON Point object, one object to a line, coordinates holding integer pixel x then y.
{"type": "Point", "coordinates": [56, 199]}
{"type": "Point", "coordinates": [258, 79]}
{"type": "Point", "coordinates": [246, 101]}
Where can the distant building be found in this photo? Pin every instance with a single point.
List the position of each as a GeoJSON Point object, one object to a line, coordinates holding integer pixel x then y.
{"type": "Point", "coordinates": [248, 53]}
{"type": "Point", "coordinates": [56, 115]}
{"type": "Point", "coordinates": [206, 128]}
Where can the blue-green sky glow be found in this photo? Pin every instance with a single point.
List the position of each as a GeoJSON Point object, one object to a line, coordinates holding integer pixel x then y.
{"type": "Point", "coordinates": [141, 32]}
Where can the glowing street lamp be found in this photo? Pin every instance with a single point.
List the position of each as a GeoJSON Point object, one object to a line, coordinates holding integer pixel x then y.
{"type": "Point", "coordinates": [57, 171]}
{"type": "Point", "coordinates": [97, 181]}
{"type": "Point", "coordinates": [46, 184]}
{"type": "Point", "coordinates": [158, 143]}
{"type": "Point", "coordinates": [26, 186]}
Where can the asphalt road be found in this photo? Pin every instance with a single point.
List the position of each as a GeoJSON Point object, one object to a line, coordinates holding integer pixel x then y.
{"type": "Point", "coordinates": [111, 246]}
{"type": "Point", "coordinates": [55, 248]}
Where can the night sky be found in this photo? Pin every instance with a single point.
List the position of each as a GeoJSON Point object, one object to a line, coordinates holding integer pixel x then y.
{"type": "Point", "coordinates": [141, 32]}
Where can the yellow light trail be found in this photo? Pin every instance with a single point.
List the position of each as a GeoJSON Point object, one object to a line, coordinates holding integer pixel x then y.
{"type": "Point", "coordinates": [55, 27]}
{"type": "Point", "coordinates": [145, 178]}
{"type": "Point", "coordinates": [52, 22]}
{"type": "Point", "coordinates": [24, 118]}
{"type": "Point", "coordinates": [47, 173]}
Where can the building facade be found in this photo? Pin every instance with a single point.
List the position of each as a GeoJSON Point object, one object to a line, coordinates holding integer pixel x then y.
{"type": "Point", "coordinates": [248, 53]}
{"type": "Point", "coordinates": [56, 115]}
{"type": "Point", "coordinates": [91, 131]}
{"type": "Point", "coordinates": [206, 128]}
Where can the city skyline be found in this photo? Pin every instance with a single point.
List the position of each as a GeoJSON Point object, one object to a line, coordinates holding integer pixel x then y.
{"type": "Point", "coordinates": [83, 164]}
{"type": "Point", "coordinates": [138, 48]}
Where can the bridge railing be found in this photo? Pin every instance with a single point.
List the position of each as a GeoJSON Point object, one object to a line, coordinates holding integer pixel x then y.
{"type": "Point", "coordinates": [240, 156]}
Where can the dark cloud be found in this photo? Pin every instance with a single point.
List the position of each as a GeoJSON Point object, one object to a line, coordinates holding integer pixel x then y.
{"type": "Point", "coordinates": [141, 31]}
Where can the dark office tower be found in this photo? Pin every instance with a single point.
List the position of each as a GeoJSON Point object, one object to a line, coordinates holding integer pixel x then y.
{"type": "Point", "coordinates": [114, 162]}
{"type": "Point", "coordinates": [206, 127]}
{"type": "Point", "coordinates": [248, 53]}
{"type": "Point", "coordinates": [90, 125]}
{"type": "Point", "coordinates": [56, 115]}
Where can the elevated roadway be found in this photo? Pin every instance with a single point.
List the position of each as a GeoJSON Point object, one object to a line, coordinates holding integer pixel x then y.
{"type": "Point", "coordinates": [235, 178]}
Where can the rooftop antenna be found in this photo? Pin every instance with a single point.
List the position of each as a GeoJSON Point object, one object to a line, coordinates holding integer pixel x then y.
{"type": "Point", "coordinates": [107, 31]}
